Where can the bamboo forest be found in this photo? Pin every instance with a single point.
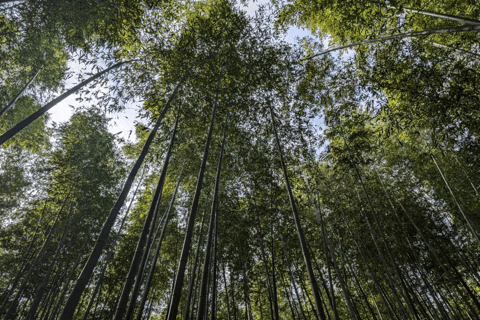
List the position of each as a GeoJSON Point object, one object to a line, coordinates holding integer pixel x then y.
{"type": "Point", "coordinates": [239, 159]}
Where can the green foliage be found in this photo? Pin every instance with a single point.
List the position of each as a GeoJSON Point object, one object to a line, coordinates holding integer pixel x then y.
{"type": "Point", "coordinates": [387, 228]}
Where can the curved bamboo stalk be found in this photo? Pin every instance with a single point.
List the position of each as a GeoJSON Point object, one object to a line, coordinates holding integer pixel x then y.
{"type": "Point", "coordinates": [400, 36]}
{"type": "Point", "coordinates": [441, 15]}
{"type": "Point", "coordinates": [12, 102]}
{"type": "Point", "coordinates": [37, 114]}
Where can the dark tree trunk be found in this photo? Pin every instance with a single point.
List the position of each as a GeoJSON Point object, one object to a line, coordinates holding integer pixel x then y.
{"type": "Point", "coordinates": [215, 247]}
{"type": "Point", "coordinates": [202, 302]}
{"type": "Point", "coordinates": [188, 315]}
{"type": "Point", "coordinates": [97, 250]}
{"type": "Point", "coordinates": [36, 301]}
{"type": "Point", "coordinates": [111, 251]}
{"type": "Point", "coordinates": [178, 282]}
{"type": "Point", "coordinates": [24, 123]}
{"type": "Point", "coordinates": [226, 292]}
{"type": "Point", "coordinates": [35, 261]}
{"type": "Point", "coordinates": [140, 257]}
{"type": "Point", "coordinates": [157, 252]}
{"type": "Point", "coordinates": [301, 236]}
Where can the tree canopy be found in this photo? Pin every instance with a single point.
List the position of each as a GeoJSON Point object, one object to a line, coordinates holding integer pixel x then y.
{"type": "Point", "coordinates": [331, 177]}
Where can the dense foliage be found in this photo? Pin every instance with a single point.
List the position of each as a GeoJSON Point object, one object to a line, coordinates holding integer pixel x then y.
{"type": "Point", "coordinates": [332, 177]}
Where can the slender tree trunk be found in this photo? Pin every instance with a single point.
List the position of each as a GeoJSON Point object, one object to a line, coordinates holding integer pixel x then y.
{"type": "Point", "coordinates": [439, 261]}
{"type": "Point", "coordinates": [472, 229]}
{"type": "Point", "coordinates": [441, 15]}
{"type": "Point", "coordinates": [234, 304]}
{"type": "Point", "coordinates": [327, 291]}
{"type": "Point", "coordinates": [328, 246]}
{"type": "Point", "coordinates": [187, 314]}
{"type": "Point", "coordinates": [202, 302]}
{"type": "Point", "coordinates": [24, 123]}
{"type": "Point", "coordinates": [97, 250]}
{"type": "Point", "coordinates": [401, 36]}
{"type": "Point", "coordinates": [174, 273]}
{"type": "Point", "coordinates": [372, 275]}
{"type": "Point", "coordinates": [178, 283]}
{"type": "Point", "coordinates": [226, 292]}
{"type": "Point", "coordinates": [364, 296]}
{"type": "Point", "coordinates": [140, 257]}
{"type": "Point", "coordinates": [301, 236]}
{"type": "Point", "coordinates": [36, 260]}
{"type": "Point", "coordinates": [274, 280]}
{"type": "Point", "coordinates": [267, 273]}
{"type": "Point", "coordinates": [36, 301]}
{"type": "Point", "coordinates": [25, 262]}
{"type": "Point", "coordinates": [305, 293]}
{"type": "Point", "coordinates": [404, 291]}
{"type": "Point", "coordinates": [465, 172]}
{"type": "Point", "coordinates": [111, 251]}
{"type": "Point", "coordinates": [157, 252]}
{"type": "Point", "coordinates": [215, 281]}
{"type": "Point", "coordinates": [400, 222]}
{"type": "Point", "coordinates": [460, 51]}
{"type": "Point", "coordinates": [69, 279]}
{"type": "Point", "coordinates": [292, 282]}
{"type": "Point", "coordinates": [11, 103]}
{"type": "Point", "coordinates": [287, 293]}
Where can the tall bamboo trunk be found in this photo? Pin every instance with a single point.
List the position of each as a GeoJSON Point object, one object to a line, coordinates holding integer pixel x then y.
{"type": "Point", "coordinates": [180, 274]}
{"type": "Point", "coordinates": [37, 114]}
{"type": "Point", "coordinates": [306, 295]}
{"type": "Point", "coordinates": [470, 226]}
{"type": "Point", "coordinates": [372, 275]}
{"type": "Point", "coordinates": [215, 267]}
{"type": "Point", "coordinates": [36, 260]}
{"type": "Point", "coordinates": [287, 293]}
{"type": "Point", "coordinates": [226, 292]}
{"type": "Point", "coordinates": [362, 292]}
{"type": "Point", "coordinates": [409, 243]}
{"type": "Point", "coordinates": [141, 252]}
{"type": "Point", "coordinates": [327, 291]}
{"type": "Point", "coordinates": [404, 291]}
{"type": "Point", "coordinates": [441, 15]}
{"type": "Point", "coordinates": [25, 263]}
{"type": "Point", "coordinates": [328, 246]}
{"type": "Point", "coordinates": [475, 28]}
{"type": "Point", "coordinates": [36, 301]}
{"type": "Point", "coordinates": [440, 262]}
{"type": "Point", "coordinates": [274, 281]}
{"type": "Point", "coordinates": [14, 100]}
{"type": "Point", "coordinates": [97, 250]}
{"type": "Point", "coordinates": [111, 251]}
{"type": "Point", "coordinates": [267, 274]}
{"type": "Point", "coordinates": [292, 282]}
{"type": "Point", "coordinates": [187, 314]}
{"type": "Point", "coordinates": [157, 252]}
{"type": "Point", "coordinates": [202, 302]}
{"type": "Point", "coordinates": [301, 236]}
